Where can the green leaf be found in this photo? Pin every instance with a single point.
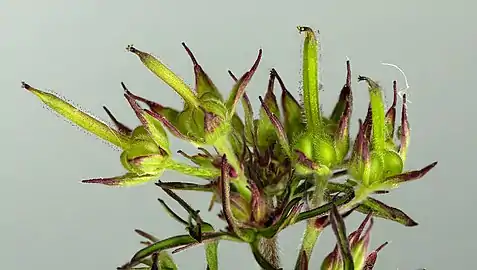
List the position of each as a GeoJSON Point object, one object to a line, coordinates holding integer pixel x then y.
{"type": "Point", "coordinates": [129, 179]}
{"type": "Point", "coordinates": [191, 211]}
{"type": "Point", "coordinates": [166, 75]}
{"type": "Point", "coordinates": [171, 242]}
{"type": "Point", "coordinates": [310, 79]}
{"type": "Point", "coordinates": [186, 186]}
{"type": "Point", "coordinates": [172, 213]}
{"type": "Point", "coordinates": [338, 225]}
{"type": "Point", "coordinates": [379, 209]}
{"type": "Point", "coordinates": [82, 119]}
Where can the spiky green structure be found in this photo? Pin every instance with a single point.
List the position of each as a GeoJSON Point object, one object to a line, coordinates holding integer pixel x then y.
{"type": "Point", "coordinates": [267, 173]}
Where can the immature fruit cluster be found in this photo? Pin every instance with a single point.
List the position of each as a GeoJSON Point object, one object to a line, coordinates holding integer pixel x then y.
{"type": "Point", "coordinates": [261, 171]}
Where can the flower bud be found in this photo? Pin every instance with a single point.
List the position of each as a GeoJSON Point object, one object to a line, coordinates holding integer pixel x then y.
{"type": "Point", "coordinates": [258, 204]}
{"type": "Point", "coordinates": [318, 148]}
{"type": "Point", "coordinates": [356, 244]}
{"type": "Point", "coordinates": [332, 261]}
{"type": "Point", "coordinates": [144, 157]}
{"type": "Point", "coordinates": [374, 161]}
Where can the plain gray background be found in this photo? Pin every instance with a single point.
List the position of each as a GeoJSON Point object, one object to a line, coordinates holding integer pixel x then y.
{"type": "Point", "coordinates": [77, 49]}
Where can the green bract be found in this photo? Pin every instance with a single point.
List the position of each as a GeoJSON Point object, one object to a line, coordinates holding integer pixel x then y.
{"type": "Point", "coordinates": [266, 172]}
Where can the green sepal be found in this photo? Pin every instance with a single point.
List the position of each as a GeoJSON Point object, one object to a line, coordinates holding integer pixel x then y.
{"type": "Point", "coordinates": [190, 122]}
{"type": "Point", "coordinates": [167, 76]}
{"type": "Point", "coordinates": [239, 88]}
{"type": "Point", "coordinates": [236, 136]}
{"type": "Point", "coordinates": [310, 71]}
{"type": "Point", "coordinates": [249, 126]}
{"type": "Point", "coordinates": [204, 86]}
{"type": "Point", "coordinates": [80, 118]}
{"type": "Point", "coordinates": [293, 113]}
{"type": "Point", "coordinates": [144, 157]}
{"type": "Point", "coordinates": [151, 124]}
{"type": "Point", "coordinates": [378, 114]}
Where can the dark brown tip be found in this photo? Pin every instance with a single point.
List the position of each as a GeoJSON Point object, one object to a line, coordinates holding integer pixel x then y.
{"type": "Point", "coordinates": [130, 48]}
{"type": "Point", "coordinates": [191, 55]}
{"type": "Point", "coordinates": [381, 246]}
{"type": "Point", "coordinates": [271, 82]}
{"type": "Point", "coordinates": [103, 181]}
{"type": "Point", "coordinates": [395, 91]}
{"type": "Point", "coordinates": [120, 126]}
{"type": "Point", "coordinates": [26, 86]}
{"type": "Point", "coordinates": [232, 75]}
{"type": "Point", "coordinates": [125, 88]}
{"type": "Point", "coordinates": [348, 74]}
{"type": "Point", "coordinates": [302, 29]}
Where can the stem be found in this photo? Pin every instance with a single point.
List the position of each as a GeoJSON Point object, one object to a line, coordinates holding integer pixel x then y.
{"type": "Point", "coordinates": [268, 247]}
{"type": "Point", "coordinates": [312, 232]}
{"type": "Point", "coordinates": [223, 147]}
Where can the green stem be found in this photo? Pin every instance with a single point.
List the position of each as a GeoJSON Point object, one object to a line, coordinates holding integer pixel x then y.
{"type": "Point", "coordinates": [312, 232]}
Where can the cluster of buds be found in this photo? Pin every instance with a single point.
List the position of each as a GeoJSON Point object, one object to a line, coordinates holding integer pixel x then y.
{"type": "Point", "coordinates": [266, 173]}
{"type": "Point", "coordinates": [351, 252]}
